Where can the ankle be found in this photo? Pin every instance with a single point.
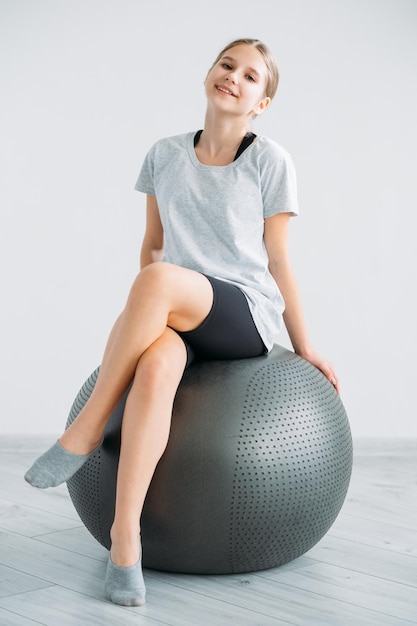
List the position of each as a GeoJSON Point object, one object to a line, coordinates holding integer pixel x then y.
{"type": "Point", "coordinates": [80, 441]}
{"type": "Point", "coordinates": [125, 546]}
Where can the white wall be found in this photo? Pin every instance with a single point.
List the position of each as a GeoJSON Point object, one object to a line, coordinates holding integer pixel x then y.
{"type": "Point", "coordinates": [87, 86]}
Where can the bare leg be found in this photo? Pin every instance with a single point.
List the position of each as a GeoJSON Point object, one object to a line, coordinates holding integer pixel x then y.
{"type": "Point", "coordinates": [162, 295]}
{"type": "Point", "coordinates": [145, 431]}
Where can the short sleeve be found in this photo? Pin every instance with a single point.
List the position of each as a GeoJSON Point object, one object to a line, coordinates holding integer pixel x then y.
{"type": "Point", "coordinates": [145, 181]}
{"type": "Point", "coordinates": [278, 182]}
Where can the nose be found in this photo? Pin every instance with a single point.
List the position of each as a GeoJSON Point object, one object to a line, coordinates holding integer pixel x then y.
{"type": "Point", "coordinates": [232, 76]}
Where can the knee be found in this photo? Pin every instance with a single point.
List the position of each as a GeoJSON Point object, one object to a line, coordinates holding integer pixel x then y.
{"type": "Point", "coordinates": [153, 280]}
{"type": "Point", "coordinates": [151, 371]}
{"type": "Point", "coordinates": [161, 367]}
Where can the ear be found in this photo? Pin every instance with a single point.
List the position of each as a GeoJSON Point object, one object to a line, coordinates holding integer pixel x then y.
{"type": "Point", "coordinates": [264, 104]}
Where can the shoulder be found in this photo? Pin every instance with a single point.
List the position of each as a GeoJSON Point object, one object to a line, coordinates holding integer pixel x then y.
{"type": "Point", "coordinates": [268, 149]}
{"type": "Point", "coordinates": [277, 177]}
{"type": "Point", "coordinates": [170, 144]}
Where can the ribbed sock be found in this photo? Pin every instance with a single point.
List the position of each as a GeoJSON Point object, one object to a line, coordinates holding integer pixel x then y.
{"type": "Point", "coordinates": [55, 466]}
{"type": "Point", "coordinates": [125, 585]}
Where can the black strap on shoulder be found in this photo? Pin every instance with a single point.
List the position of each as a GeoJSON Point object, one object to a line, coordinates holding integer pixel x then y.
{"type": "Point", "coordinates": [197, 137]}
{"type": "Point", "coordinates": [246, 141]}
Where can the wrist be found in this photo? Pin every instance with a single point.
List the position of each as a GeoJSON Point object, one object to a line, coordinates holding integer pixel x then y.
{"type": "Point", "coordinates": [306, 352]}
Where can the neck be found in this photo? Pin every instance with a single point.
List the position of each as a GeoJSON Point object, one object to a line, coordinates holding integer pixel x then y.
{"type": "Point", "coordinates": [223, 134]}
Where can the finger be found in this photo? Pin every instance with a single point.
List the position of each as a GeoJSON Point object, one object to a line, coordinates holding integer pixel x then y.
{"type": "Point", "coordinates": [331, 376]}
{"type": "Point", "coordinates": [334, 381]}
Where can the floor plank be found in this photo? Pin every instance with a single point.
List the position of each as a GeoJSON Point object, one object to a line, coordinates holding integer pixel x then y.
{"type": "Point", "coordinates": [396, 567]}
{"type": "Point", "coordinates": [375, 533]}
{"type": "Point", "coordinates": [392, 599]}
{"type": "Point", "coordinates": [23, 520]}
{"type": "Point", "coordinates": [76, 540]}
{"type": "Point", "coordinates": [51, 564]}
{"type": "Point", "coordinates": [292, 604]}
{"type": "Point", "coordinates": [8, 618]}
{"type": "Point", "coordinates": [67, 608]}
{"type": "Point", "coordinates": [13, 581]}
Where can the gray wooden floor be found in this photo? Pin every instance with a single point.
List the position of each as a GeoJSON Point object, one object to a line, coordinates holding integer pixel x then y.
{"type": "Point", "coordinates": [364, 571]}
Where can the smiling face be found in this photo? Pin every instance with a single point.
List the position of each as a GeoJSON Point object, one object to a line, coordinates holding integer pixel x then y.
{"type": "Point", "coordinates": [237, 82]}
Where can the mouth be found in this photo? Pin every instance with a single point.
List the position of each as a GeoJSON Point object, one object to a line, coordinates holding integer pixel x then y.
{"type": "Point", "coordinates": [225, 90]}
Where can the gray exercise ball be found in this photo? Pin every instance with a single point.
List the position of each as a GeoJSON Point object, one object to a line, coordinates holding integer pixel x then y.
{"type": "Point", "coordinates": [256, 469]}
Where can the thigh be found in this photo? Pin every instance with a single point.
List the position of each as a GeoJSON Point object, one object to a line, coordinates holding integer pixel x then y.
{"type": "Point", "coordinates": [181, 295]}
{"type": "Point", "coordinates": [228, 332]}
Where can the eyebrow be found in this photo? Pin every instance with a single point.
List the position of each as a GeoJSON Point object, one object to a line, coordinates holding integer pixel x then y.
{"type": "Point", "coordinates": [251, 69]}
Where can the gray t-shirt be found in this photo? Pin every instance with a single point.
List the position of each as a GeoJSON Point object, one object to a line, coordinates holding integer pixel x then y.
{"type": "Point", "coordinates": [213, 216]}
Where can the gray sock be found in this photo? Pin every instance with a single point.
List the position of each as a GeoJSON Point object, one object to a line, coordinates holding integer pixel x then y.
{"type": "Point", "coordinates": [125, 585]}
{"type": "Point", "coordinates": [55, 466]}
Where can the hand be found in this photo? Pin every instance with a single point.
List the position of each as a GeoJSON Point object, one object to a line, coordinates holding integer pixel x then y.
{"type": "Point", "coordinates": [324, 366]}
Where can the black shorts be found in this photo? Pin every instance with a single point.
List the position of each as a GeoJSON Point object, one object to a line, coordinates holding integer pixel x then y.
{"type": "Point", "coordinates": [228, 332]}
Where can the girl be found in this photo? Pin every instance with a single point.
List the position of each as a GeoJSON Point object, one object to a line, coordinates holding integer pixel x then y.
{"type": "Point", "coordinates": [214, 277]}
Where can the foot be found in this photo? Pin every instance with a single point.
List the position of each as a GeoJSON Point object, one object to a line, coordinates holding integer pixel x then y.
{"type": "Point", "coordinates": [124, 585]}
{"type": "Point", "coordinates": [56, 466]}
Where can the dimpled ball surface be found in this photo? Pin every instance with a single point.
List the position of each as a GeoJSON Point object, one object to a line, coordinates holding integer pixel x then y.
{"type": "Point", "coordinates": [256, 469]}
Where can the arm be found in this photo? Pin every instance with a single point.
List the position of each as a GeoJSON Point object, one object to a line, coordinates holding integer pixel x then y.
{"type": "Point", "coordinates": [153, 241]}
{"type": "Point", "coordinates": [275, 236]}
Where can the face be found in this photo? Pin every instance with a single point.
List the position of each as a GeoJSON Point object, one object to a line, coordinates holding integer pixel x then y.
{"type": "Point", "coordinates": [237, 82]}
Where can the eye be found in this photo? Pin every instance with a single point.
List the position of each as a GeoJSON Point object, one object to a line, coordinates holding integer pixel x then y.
{"type": "Point", "coordinates": [250, 77]}
{"type": "Point", "coordinates": [226, 66]}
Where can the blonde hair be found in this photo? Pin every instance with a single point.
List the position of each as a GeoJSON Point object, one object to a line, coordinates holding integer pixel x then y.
{"type": "Point", "coordinates": [268, 57]}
